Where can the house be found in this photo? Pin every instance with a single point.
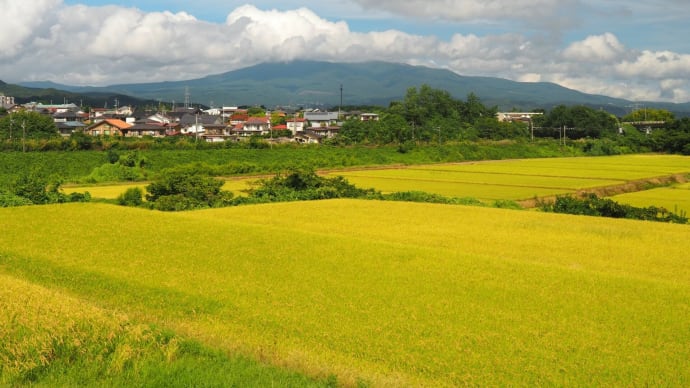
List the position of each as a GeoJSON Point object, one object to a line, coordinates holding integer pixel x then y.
{"type": "Point", "coordinates": [516, 116]}
{"type": "Point", "coordinates": [321, 119]}
{"type": "Point", "coordinates": [68, 116]}
{"type": "Point", "coordinates": [158, 118]}
{"type": "Point", "coordinates": [307, 138]}
{"type": "Point", "coordinates": [6, 101]}
{"type": "Point", "coordinates": [197, 123]}
{"type": "Point", "coordinates": [141, 129]}
{"type": "Point", "coordinates": [216, 133]}
{"type": "Point", "coordinates": [228, 111]}
{"type": "Point", "coordinates": [325, 132]}
{"type": "Point", "coordinates": [67, 128]}
{"type": "Point", "coordinates": [238, 117]}
{"type": "Point", "coordinates": [107, 127]}
{"type": "Point", "coordinates": [369, 117]}
{"type": "Point", "coordinates": [253, 126]}
{"type": "Point", "coordinates": [296, 125]}
{"type": "Point", "coordinates": [260, 125]}
{"type": "Point", "coordinates": [51, 108]}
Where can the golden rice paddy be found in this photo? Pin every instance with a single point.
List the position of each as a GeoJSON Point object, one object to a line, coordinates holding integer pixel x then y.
{"type": "Point", "coordinates": [387, 293]}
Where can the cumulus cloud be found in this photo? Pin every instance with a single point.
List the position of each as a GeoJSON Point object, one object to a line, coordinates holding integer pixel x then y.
{"type": "Point", "coordinates": [113, 44]}
{"type": "Point", "coordinates": [601, 48]}
{"type": "Point", "coordinates": [18, 22]}
{"type": "Point", "coordinates": [534, 11]}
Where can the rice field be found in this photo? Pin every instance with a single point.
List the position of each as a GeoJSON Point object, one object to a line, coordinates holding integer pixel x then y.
{"type": "Point", "coordinates": [112, 191]}
{"type": "Point", "coordinates": [521, 179]}
{"type": "Point", "coordinates": [488, 181]}
{"type": "Point", "coordinates": [675, 198]}
{"type": "Point", "coordinates": [379, 293]}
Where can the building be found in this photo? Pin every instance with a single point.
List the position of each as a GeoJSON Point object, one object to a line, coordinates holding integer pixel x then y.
{"type": "Point", "coordinates": [369, 117]}
{"type": "Point", "coordinates": [321, 119]}
{"type": "Point", "coordinates": [108, 127]}
{"type": "Point", "coordinates": [296, 125]}
{"type": "Point", "coordinates": [516, 116]}
{"type": "Point", "coordinates": [6, 101]}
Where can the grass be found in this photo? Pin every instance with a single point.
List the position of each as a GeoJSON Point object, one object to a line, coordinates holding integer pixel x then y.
{"type": "Point", "coordinates": [381, 292]}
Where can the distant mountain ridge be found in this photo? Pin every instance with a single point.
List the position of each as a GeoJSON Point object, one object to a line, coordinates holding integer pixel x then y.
{"type": "Point", "coordinates": [48, 92]}
{"type": "Point", "coordinates": [309, 83]}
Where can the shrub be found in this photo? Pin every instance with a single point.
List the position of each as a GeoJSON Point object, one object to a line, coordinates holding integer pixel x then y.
{"type": "Point", "coordinates": [134, 196]}
{"type": "Point", "coordinates": [304, 184]}
{"type": "Point", "coordinates": [8, 199]}
{"type": "Point", "coordinates": [591, 205]}
{"type": "Point", "coordinates": [185, 189]}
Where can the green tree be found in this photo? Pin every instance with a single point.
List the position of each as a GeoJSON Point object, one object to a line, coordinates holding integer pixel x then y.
{"type": "Point", "coordinates": [27, 125]}
{"type": "Point", "coordinates": [186, 188]}
{"type": "Point", "coordinates": [649, 114]}
{"type": "Point", "coordinates": [256, 111]}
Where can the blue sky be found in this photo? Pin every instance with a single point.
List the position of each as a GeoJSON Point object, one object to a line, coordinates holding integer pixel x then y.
{"type": "Point", "coordinates": [619, 48]}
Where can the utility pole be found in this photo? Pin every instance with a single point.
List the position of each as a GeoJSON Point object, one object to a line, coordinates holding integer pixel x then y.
{"type": "Point", "coordinates": [531, 129]}
{"type": "Point", "coordinates": [340, 108]}
{"type": "Point", "coordinates": [196, 126]}
{"type": "Point", "coordinates": [24, 136]}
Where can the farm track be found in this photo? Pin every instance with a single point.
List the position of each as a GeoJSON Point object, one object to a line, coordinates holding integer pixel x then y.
{"type": "Point", "coordinates": [607, 191]}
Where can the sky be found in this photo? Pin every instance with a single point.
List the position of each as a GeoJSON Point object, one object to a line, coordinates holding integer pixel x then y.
{"type": "Point", "coordinates": [634, 50]}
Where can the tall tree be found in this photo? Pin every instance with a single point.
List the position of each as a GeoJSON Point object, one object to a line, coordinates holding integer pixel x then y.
{"type": "Point", "coordinates": [28, 125]}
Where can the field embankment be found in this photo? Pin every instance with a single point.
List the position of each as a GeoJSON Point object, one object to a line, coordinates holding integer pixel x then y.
{"type": "Point", "coordinates": [382, 292]}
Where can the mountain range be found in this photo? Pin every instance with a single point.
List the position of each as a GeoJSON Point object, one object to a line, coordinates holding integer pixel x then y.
{"type": "Point", "coordinates": [312, 83]}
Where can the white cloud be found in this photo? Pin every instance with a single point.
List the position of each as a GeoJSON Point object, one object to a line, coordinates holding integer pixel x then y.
{"type": "Point", "coordinates": [600, 48]}
{"type": "Point", "coordinates": [108, 45]}
{"type": "Point", "coordinates": [19, 21]}
{"type": "Point", "coordinates": [541, 12]}
{"type": "Point", "coordinates": [656, 65]}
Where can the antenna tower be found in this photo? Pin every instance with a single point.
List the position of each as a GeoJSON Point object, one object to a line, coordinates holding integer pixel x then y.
{"type": "Point", "coordinates": [186, 97]}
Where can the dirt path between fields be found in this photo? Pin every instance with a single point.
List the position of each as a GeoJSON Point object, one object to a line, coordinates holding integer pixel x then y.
{"type": "Point", "coordinates": [607, 191]}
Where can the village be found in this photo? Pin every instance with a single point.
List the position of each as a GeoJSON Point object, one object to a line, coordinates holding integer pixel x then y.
{"type": "Point", "coordinates": [228, 123]}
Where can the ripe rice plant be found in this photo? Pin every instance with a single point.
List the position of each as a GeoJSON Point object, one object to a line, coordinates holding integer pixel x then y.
{"type": "Point", "coordinates": [521, 179]}
{"type": "Point", "coordinates": [49, 338]}
{"type": "Point", "coordinates": [674, 198]}
{"type": "Point", "coordinates": [385, 293]}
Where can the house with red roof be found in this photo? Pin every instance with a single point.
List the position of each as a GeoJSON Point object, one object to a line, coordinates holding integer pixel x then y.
{"type": "Point", "coordinates": [253, 126]}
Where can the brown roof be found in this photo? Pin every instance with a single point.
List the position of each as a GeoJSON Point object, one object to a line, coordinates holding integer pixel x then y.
{"type": "Point", "coordinates": [117, 123]}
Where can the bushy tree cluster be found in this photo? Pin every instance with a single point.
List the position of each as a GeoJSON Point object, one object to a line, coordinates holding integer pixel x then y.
{"type": "Point", "coordinates": [33, 188]}
{"type": "Point", "coordinates": [27, 125]}
{"type": "Point", "coordinates": [185, 188]}
{"type": "Point", "coordinates": [581, 121]}
{"type": "Point", "coordinates": [430, 115]}
{"type": "Point", "coordinates": [592, 205]}
{"type": "Point", "coordinates": [301, 184]}
{"type": "Point", "coordinates": [127, 167]}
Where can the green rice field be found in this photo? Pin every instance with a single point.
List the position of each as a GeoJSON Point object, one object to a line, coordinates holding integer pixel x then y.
{"type": "Point", "coordinates": [358, 292]}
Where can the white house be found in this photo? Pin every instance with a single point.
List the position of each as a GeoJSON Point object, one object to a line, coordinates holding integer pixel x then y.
{"type": "Point", "coordinates": [296, 125]}
{"type": "Point", "coordinates": [321, 119]}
